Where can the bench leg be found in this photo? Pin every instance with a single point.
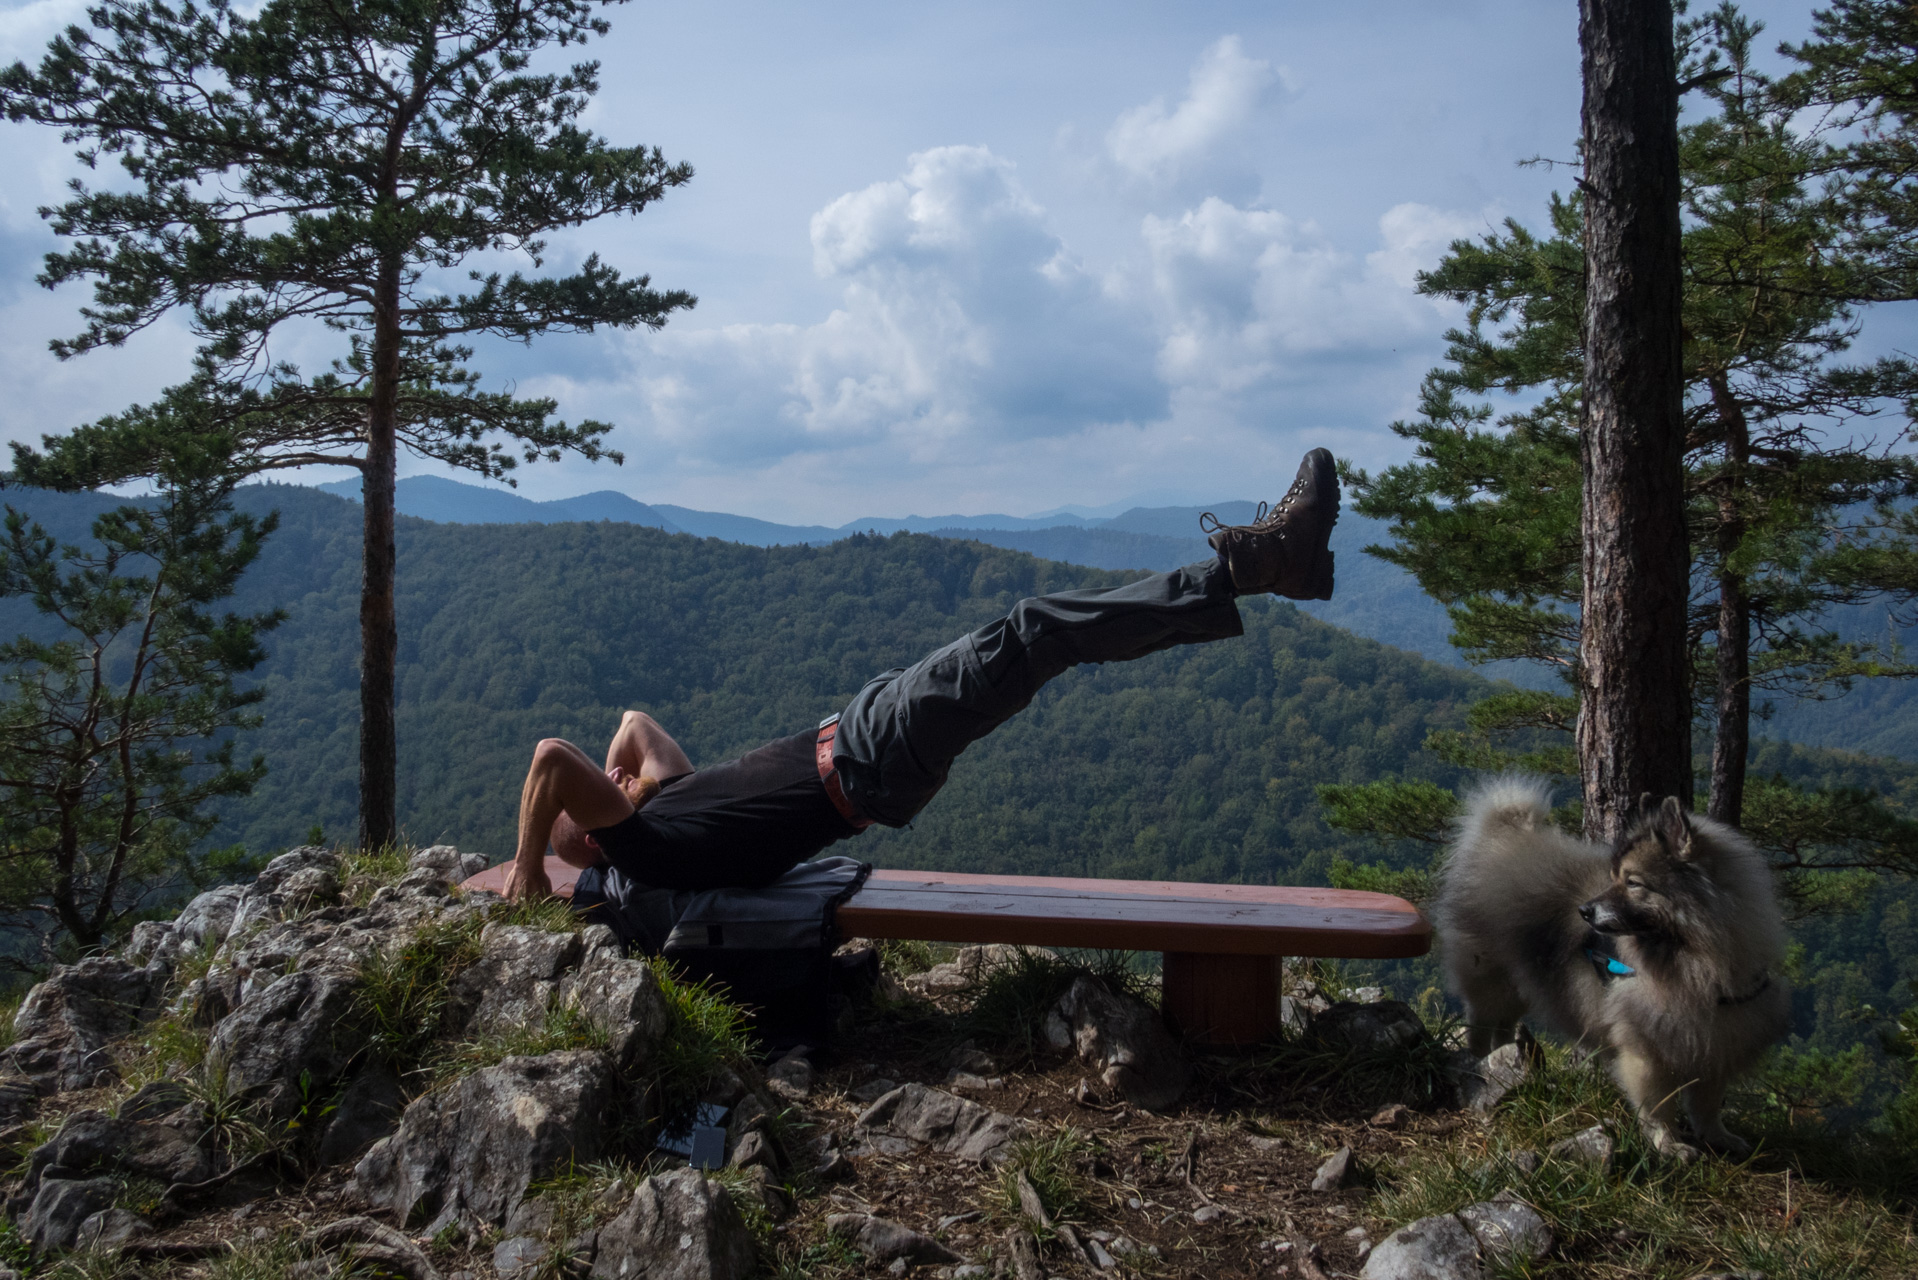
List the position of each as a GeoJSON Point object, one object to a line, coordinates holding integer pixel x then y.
{"type": "Point", "coordinates": [1222, 999]}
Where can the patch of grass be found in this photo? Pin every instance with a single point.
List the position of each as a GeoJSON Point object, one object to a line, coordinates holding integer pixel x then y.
{"type": "Point", "coordinates": [1011, 999]}
{"type": "Point", "coordinates": [277, 1258]}
{"type": "Point", "coordinates": [1655, 1218]}
{"type": "Point", "coordinates": [577, 1194]}
{"type": "Point", "coordinates": [401, 1001]}
{"type": "Point", "coordinates": [365, 873]}
{"type": "Point", "coordinates": [555, 915]}
{"type": "Point", "coordinates": [901, 956]}
{"type": "Point", "coordinates": [564, 1027]}
{"type": "Point", "coordinates": [751, 1208]}
{"type": "Point", "coordinates": [168, 1047]}
{"type": "Point", "coordinates": [1309, 1073]}
{"type": "Point", "coordinates": [1051, 1162]}
{"type": "Point", "coordinates": [15, 1252]}
{"type": "Point", "coordinates": [706, 1034]}
{"type": "Point", "coordinates": [231, 1120]}
{"type": "Point", "coordinates": [816, 1257]}
{"type": "Point", "coordinates": [9, 1010]}
{"type": "Point", "coordinates": [104, 1264]}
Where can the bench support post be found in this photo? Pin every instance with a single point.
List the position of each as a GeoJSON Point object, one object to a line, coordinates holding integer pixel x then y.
{"type": "Point", "coordinates": [1222, 999]}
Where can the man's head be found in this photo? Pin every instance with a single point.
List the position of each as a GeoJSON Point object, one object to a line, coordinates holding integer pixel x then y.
{"type": "Point", "coordinates": [573, 846]}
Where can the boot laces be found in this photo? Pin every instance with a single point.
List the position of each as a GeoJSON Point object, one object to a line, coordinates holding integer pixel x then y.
{"type": "Point", "coordinates": [1264, 520]}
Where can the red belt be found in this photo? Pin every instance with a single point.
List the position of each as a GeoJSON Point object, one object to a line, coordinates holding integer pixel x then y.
{"type": "Point", "coordinates": [829, 776]}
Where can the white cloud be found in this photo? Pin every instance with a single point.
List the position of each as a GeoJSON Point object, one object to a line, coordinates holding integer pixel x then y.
{"type": "Point", "coordinates": [1151, 142]}
{"type": "Point", "coordinates": [963, 321]}
{"type": "Point", "coordinates": [1252, 299]}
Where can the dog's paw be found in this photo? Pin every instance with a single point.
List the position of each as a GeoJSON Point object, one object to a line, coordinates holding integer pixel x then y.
{"type": "Point", "coordinates": [1672, 1149]}
{"type": "Point", "coordinates": [1726, 1143]}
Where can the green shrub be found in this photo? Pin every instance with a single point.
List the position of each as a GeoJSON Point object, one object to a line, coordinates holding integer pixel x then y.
{"type": "Point", "coordinates": [401, 1002]}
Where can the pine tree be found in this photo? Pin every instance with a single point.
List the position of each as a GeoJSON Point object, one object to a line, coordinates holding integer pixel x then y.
{"type": "Point", "coordinates": [116, 725]}
{"type": "Point", "coordinates": [1780, 454]}
{"type": "Point", "coordinates": [334, 164]}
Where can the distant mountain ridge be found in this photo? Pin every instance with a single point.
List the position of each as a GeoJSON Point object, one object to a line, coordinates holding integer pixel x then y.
{"type": "Point", "coordinates": [1375, 599]}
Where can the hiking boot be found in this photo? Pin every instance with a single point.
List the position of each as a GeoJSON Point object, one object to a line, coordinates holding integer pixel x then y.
{"type": "Point", "coordinates": [1285, 550]}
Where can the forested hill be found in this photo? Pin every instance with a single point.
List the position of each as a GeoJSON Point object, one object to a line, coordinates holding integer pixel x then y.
{"type": "Point", "coordinates": [1195, 763]}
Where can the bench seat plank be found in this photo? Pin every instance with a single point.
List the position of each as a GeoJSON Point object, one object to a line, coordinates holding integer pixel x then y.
{"type": "Point", "coordinates": [1125, 915]}
{"type": "Point", "coordinates": [1135, 915]}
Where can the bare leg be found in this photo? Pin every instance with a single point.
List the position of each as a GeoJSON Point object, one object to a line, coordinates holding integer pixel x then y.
{"type": "Point", "coordinates": [562, 778]}
{"type": "Point", "coordinates": [641, 749]}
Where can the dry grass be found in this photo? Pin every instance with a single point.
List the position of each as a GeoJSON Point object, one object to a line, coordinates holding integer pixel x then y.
{"type": "Point", "coordinates": [1656, 1219]}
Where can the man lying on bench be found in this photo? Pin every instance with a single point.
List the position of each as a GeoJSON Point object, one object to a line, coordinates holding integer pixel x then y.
{"type": "Point", "coordinates": [744, 823]}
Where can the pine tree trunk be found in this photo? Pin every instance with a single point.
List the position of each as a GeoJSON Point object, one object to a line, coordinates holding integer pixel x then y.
{"type": "Point", "coordinates": [1634, 725]}
{"type": "Point", "coordinates": [1731, 741]}
{"type": "Point", "coordinates": [379, 636]}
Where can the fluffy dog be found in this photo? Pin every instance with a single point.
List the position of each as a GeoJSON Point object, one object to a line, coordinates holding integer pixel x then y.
{"type": "Point", "coordinates": [1660, 951]}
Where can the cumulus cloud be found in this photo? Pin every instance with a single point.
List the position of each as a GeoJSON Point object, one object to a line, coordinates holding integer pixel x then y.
{"type": "Point", "coordinates": [1153, 142]}
{"type": "Point", "coordinates": [1251, 298]}
{"type": "Point", "coordinates": [963, 319]}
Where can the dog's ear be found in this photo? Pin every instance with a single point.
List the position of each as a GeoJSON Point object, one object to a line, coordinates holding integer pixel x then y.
{"type": "Point", "coordinates": [1674, 827]}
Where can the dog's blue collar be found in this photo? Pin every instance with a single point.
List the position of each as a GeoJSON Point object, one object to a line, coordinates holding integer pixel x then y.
{"type": "Point", "coordinates": [1603, 953]}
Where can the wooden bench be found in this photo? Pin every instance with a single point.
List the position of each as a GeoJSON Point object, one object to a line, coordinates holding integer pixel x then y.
{"type": "Point", "coordinates": [1223, 944]}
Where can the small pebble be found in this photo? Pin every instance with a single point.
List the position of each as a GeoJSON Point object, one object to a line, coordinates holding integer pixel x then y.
{"type": "Point", "coordinates": [1207, 1213]}
{"type": "Point", "coordinates": [1135, 1203]}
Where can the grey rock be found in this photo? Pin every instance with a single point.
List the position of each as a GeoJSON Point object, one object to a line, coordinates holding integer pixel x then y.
{"type": "Point", "coordinates": [678, 1226]}
{"type": "Point", "coordinates": [1526, 1162]}
{"type": "Point", "coordinates": [1482, 1083]}
{"type": "Point", "coordinates": [369, 1109]}
{"type": "Point", "coordinates": [65, 1023]}
{"type": "Point", "coordinates": [793, 1076]}
{"type": "Point", "coordinates": [1207, 1213]}
{"type": "Point", "coordinates": [531, 1217]}
{"type": "Point", "coordinates": [447, 862]}
{"type": "Point", "coordinates": [282, 889]}
{"type": "Point", "coordinates": [208, 919]}
{"type": "Point", "coordinates": [518, 1255]}
{"type": "Point", "coordinates": [1507, 1231]}
{"type": "Point", "coordinates": [762, 1187]}
{"type": "Point", "coordinates": [516, 977]}
{"type": "Point", "coordinates": [289, 1041]}
{"type": "Point", "coordinates": [150, 939]}
{"type": "Point", "coordinates": [94, 1140]}
{"type": "Point", "coordinates": [1336, 1173]}
{"type": "Point", "coordinates": [375, 1247]}
{"type": "Point", "coordinates": [969, 967]}
{"type": "Point", "coordinates": [947, 1123]}
{"type": "Point", "coordinates": [1436, 1248]}
{"type": "Point", "coordinates": [155, 1100]}
{"type": "Point", "coordinates": [61, 1205]}
{"type": "Point", "coordinates": [872, 1090]}
{"type": "Point", "coordinates": [1368, 995]}
{"type": "Point", "coordinates": [468, 1153]}
{"type": "Point", "coordinates": [1395, 1116]}
{"type": "Point", "coordinates": [1389, 1026]}
{"type": "Point", "coordinates": [1591, 1146]}
{"type": "Point", "coordinates": [753, 1148]}
{"type": "Point", "coordinates": [970, 1059]}
{"type": "Point", "coordinates": [1126, 1041]}
{"type": "Point", "coordinates": [19, 1099]}
{"type": "Point", "coordinates": [111, 1229]}
{"type": "Point", "coordinates": [883, 1240]}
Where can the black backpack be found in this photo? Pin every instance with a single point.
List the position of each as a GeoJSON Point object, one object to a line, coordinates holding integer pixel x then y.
{"type": "Point", "coordinates": [771, 947]}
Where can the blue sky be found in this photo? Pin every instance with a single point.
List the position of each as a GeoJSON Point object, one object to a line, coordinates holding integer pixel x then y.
{"type": "Point", "coordinates": [984, 257]}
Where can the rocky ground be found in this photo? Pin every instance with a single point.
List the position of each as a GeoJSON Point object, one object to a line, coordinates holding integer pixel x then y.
{"type": "Point", "coordinates": [348, 1067]}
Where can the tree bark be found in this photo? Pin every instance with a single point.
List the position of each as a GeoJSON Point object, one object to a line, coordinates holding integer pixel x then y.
{"type": "Point", "coordinates": [1731, 738]}
{"type": "Point", "coordinates": [1634, 725]}
{"type": "Point", "coordinates": [379, 635]}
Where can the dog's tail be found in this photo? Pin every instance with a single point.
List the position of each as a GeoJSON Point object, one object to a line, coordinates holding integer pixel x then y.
{"type": "Point", "coordinates": [1511, 802]}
